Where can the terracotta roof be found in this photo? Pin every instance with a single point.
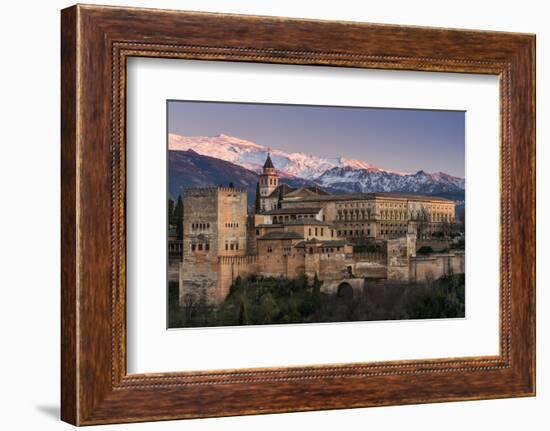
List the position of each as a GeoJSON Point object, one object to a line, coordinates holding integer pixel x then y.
{"type": "Point", "coordinates": [308, 191]}
{"type": "Point", "coordinates": [286, 189]}
{"type": "Point", "coordinates": [295, 210]}
{"type": "Point", "coordinates": [281, 235]}
{"type": "Point", "coordinates": [370, 196]}
{"type": "Point", "coordinates": [306, 221]}
{"type": "Point", "coordinates": [321, 243]}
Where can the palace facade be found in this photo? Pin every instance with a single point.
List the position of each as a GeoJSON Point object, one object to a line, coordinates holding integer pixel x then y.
{"type": "Point", "coordinates": [308, 230]}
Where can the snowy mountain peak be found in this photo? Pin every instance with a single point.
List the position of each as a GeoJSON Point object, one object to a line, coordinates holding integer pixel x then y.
{"type": "Point", "coordinates": [338, 173]}
{"type": "Point", "coordinates": [251, 155]}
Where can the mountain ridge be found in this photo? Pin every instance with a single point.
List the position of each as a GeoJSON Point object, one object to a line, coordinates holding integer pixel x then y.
{"type": "Point", "coordinates": [337, 175]}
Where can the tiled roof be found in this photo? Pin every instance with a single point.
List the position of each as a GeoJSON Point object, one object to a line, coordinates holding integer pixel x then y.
{"type": "Point", "coordinates": [281, 235]}
{"type": "Point", "coordinates": [307, 191]}
{"type": "Point", "coordinates": [321, 243]}
{"type": "Point", "coordinates": [295, 210]}
{"type": "Point", "coordinates": [306, 221]}
{"type": "Point", "coordinates": [370, 196]}
{"type": "Point", "coordinates": [286, 189]}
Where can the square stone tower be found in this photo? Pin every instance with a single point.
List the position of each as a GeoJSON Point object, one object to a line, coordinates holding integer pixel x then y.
{"type": "Point", "coordinates": [214, 225]}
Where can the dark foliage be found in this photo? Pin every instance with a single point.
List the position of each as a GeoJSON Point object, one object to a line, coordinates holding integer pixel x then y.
{"type": "Point", "coordinates": [425, 250]}
{"type": "Point", "coordinates": [178, 218]}
{"type": "Point", "coordinates": [257, 203]}
{"type": "Point", "coordinates": [258, 301]}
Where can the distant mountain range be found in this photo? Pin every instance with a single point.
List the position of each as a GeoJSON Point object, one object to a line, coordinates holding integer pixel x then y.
{"type": "Point", "coordinates": [206, 161]}
{"type": "Point", "coordinates": [190, 169]}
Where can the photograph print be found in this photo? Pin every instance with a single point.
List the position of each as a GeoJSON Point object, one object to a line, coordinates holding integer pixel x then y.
{"type": "Point", "coordinates": [298, 214]}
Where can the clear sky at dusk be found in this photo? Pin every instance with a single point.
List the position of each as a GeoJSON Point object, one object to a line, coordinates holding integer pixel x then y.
{"type": "Point", "coordinates": [405, 140]}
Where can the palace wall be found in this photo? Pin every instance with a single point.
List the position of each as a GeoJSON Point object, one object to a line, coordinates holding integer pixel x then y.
{"type": "Point", "coordinates": [370, 265]}
{"type": "Point", "coordinates": [399, 252]}
{"type": "Point", "coordinates": [198, 277]}
{"type": "Point", "coordinates": [436, 266]}
{"type": "Point", "coordinates": [231, 267]}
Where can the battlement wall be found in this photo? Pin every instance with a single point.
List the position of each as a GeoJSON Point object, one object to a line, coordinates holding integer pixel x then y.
{"type": "Point", "coordinates": [210, 191]}
{"type": "Point", "coordinates": [436, 266]}
{"type": "Point", "coordinates": [231, 267]}
{"type": "Point", "coordinates": [238, 260]}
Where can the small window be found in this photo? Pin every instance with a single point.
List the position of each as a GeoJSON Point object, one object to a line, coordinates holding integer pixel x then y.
{"type": "Point", "coordinates": [227, 246]}
{"type": "Point", "coordinates": [207, 247]}
{"type": "Point", "coordinates": [193, 247]}
{"type": "Point", "coordinates": [236, 246]}
{"type": "Point", "coordinates": [231, 246]}
{"type": "Point", "coordinates": [200, 246]}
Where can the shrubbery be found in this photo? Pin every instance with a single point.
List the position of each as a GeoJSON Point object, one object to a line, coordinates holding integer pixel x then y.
{"type": "Point", "coordinates": [258, 301]}
{"type": "Point", "coordinates": [426, 249]}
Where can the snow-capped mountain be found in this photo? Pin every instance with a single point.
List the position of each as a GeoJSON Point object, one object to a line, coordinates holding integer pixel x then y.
{"type": "Point", "coordinates": [337, 175]}
{"type": "Point", "coordinates": [350, 180]}
{"type": "Point", "coordinates": [251, 155]}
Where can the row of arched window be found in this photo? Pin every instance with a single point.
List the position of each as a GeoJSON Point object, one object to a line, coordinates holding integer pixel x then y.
{"type": "Point", "coordinates": [231, 246]}
{"type": "Point", "coordinates": [354, 215]}
{"type": "Point", "coordinates": [271, 181]}
{"type": "Point", "coordinates": [200, 226]}
{"type": "Point", "coordinates": [200, 247]}
{"type": "Point", "coordinates": [356, 232]}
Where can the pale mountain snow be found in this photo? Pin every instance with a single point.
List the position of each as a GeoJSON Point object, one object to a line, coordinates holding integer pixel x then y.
{"type": "Point", "coordinates": [340, 173]}
{"type": "Point", "coordinates": [252, 156]}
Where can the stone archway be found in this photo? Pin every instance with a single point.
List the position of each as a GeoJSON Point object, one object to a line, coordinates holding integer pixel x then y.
{"type": "Point", "coordinates": [345, 291]}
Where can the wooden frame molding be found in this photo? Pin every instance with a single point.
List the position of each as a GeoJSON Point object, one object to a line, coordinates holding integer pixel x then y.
{"type": "Point", "coordinates": [95, 43]}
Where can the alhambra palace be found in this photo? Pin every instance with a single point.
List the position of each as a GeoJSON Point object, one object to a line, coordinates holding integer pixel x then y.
{"type": "Point", "coordinates": [343, 239]}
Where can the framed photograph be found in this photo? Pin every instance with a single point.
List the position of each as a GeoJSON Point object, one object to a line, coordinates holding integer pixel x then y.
{"type": "Point", "coordinates": [266, 215]}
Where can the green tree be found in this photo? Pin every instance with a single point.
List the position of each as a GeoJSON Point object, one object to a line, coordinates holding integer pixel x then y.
{"type": "Point", "coordinates": [302, 281]}
{"type": "Point", "coordinates": [316, 292]}
{"type": "Point", "coordinates": [178, 218]}
{"type": "Point", "coordinates": [243, 312]}
{"type": "Point", "coordinates": [280, 197]}
{"type": "Point", "coordinates": [171, 220]}
{"type": "Point", "coordinates": [258, 206]}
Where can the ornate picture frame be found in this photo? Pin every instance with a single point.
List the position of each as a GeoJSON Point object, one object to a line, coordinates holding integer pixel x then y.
{"type": "Point", "coordinates": [96, 41]}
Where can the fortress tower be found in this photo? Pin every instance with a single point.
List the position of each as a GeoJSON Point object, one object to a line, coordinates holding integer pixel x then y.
{"type": "Point", "coordinates": [269, 180]}
{"type": "Point", "coordinates": [214, 225]}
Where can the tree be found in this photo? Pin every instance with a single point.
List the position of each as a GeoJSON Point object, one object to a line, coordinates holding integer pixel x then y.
{"type": "Point", "coordinates": [178, 218]}
{"type": "Point", "coordinates": [171, 220]}
{"type": "Point", "coordinates": [258, 206]}
{"type": "Point", "coordinates": [280, 197]}
{"type": "Point", "coordinates": [316, 292]}
{"type": "Point", "coordinates": [426, 249]}
{"type": "Point", "coordinates": [243, 313]}
{"type": "Point", "coordinates": [423, 223]}
{"type": "Point", "coordinates": [302, 281]}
